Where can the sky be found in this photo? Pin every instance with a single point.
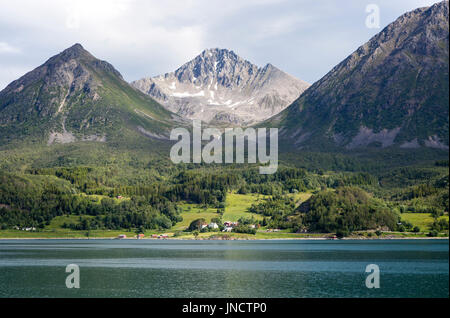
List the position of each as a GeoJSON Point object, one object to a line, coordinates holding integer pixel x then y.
{"type": "Point", "coordinates": [141, 38]}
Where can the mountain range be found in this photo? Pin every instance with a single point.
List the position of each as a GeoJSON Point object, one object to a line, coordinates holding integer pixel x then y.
{"type": "Point", "coordinates": [219, 86]}
{"type": "Point", "coordinates": [392, 91]}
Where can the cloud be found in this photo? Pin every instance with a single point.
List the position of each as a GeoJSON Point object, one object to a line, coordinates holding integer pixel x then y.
{"type": "Point", "coordinates": [7, 48]}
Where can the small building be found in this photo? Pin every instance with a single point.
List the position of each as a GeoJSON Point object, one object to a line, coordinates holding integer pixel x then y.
{"type": "Point", "coordinates": [227, 229]}
{"type": "Point", "coordinates": [252, 226]}
{"type": "Point", "coordinates": [213, 225]}
{"type": "Point", "coordinates": [140, 236]}
{"type": "Point", "coordinates": [122, 236]}
{"type": "Point", "coordinates": [204, 225]}
{"type": "Point", "coordinates": [163, 236]}
{"type": "Point", "coordinates": [119, 197]}
{"type": "Point", "coordinates": [154, 235]}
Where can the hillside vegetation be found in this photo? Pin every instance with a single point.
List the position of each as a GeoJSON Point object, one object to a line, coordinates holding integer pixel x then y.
{"type": "Point", "coordinates": [110, 190]}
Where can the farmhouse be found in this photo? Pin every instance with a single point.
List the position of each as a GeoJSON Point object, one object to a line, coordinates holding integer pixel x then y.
{"type": "Point", "coordinates": [229, 223]}
{"type": "Point", "coordinates": [213, 225]}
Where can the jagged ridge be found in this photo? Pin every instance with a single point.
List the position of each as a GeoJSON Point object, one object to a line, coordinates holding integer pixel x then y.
{"type": "Point", "coordinates": [75, 96]}
{"type": "Point", "coordinates": [218, 85]}
{"type": "Point", "coordinates": [393, 90]}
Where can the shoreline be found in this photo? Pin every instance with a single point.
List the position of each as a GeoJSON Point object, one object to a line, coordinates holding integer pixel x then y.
{"type": "Point", "coordinates": [231, 239]}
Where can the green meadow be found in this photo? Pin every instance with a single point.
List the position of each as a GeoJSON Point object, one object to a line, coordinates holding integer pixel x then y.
{"type": "Point", "coordinates": [422, 220]}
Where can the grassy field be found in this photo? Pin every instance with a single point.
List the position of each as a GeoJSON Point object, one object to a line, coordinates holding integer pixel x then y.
{"type": "Point", "coordinates": [58, 221]}
{"type": "Point", "coordinates": [192, 212]}
{"type": "Point", "coordinates": [55, 230]}
{"type": "Point", "coordinates": [300, 197]}
{"type": "Point", "coordinates": [422, 220]}
{"type": "Point", "coordinates": [63, 233]}
{"type": "Point", "coordinates": [98, 197]}
{"type": "Point", "coordinates": [236, 206]}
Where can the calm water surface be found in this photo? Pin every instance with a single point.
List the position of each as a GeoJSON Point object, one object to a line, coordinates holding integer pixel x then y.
{"type": "Point", "coordinates": [173, 268]}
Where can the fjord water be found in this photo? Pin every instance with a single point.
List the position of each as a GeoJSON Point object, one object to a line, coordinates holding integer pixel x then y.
{"type": "Point", "coordinates": [176, 268]}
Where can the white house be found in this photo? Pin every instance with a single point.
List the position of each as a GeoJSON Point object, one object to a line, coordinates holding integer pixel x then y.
{"type": "Point", "coordinates": [227, 229]}
{"type": "Point", "coordinates": [213, 225]}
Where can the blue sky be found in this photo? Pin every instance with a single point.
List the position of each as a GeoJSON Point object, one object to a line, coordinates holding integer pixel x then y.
{"type": "Point", "coordinates": [305, 38]}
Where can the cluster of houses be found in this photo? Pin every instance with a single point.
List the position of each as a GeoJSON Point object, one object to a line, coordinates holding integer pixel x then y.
{"type": "Point", "coordinates": [141, 236]}
{"type": "Point", "coordinates": [25, 228]}
{"type": "Point", "coordinates": [227, 226]}
{"type": "Point", "coordinates": [211, 225]}
{"type": "Point", "coordinates": [160, 236]}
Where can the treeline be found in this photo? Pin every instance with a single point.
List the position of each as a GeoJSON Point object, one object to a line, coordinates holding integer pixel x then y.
{"type": "Point", "coordinates": [344, 210]}
{"type": "Point", "coordinates": [201, 186]}
{"type": "Point", "coordinates": [290, 180]}
{"type": "Point", "coordinates": [27, 202]}
{"type": "Point", "coordinates": [430, 197]}
{"type": "Point", "coordinates": [192, 186]}
{"type": "Point", "coordinates": [34, 199]}
{"type": "Point", "coordinates": [135, 213]}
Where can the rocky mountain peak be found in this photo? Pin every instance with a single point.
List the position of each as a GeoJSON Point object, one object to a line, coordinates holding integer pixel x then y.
{"type": "Point", "coordinates": [72, 68]}
{"type": "Point", "coordinates": [220, 86]}
{"type": "Point", "coordinates": [74, 96]}
{"type": "Point", "coordinates": [393, 90]}
{"type": "Point", "coordinates": [75, 52]}
{"type": "Point", "coordinates": [221, 64]}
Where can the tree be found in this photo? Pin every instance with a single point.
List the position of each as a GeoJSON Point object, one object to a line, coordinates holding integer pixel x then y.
{"type": "Point", "coordinates": [216, 220]}
{"type": "Point", "coordinates": [196, 225]}
{"type": "Point", "coordinates": [139, 230]}
{"type": "Point", "coordinates": [341, 233]}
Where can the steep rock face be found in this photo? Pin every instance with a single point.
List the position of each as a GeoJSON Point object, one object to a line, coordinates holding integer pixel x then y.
{"type": "Point", "coordinates": [393, 90]}
{"type": "Point", "coordinates": [220, 86]}
{"type": "Point", "coordinates": [76, 97]}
